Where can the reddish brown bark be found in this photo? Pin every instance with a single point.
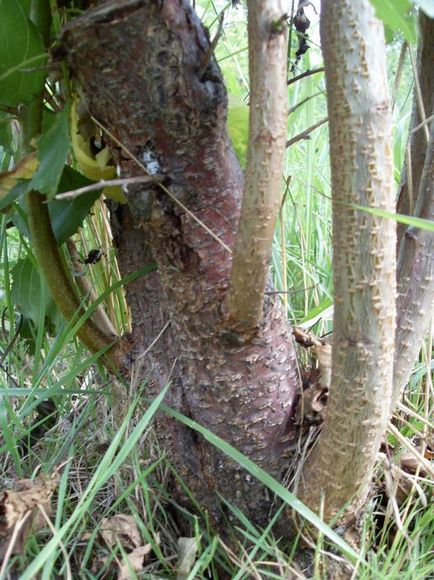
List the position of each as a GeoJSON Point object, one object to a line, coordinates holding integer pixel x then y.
{"type": "Point", "coordinates": [138, 64]}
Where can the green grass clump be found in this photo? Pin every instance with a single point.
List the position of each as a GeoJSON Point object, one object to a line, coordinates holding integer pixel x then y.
{"type": "Point", "coordinates": [96, 434]}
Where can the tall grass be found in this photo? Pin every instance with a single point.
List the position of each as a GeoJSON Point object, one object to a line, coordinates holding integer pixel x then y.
{"type": "Point", "coordinates": [100, 440]}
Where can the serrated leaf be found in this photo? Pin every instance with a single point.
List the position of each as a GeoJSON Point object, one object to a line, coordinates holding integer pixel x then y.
{"type": "Point", "coordinates": [53, 148]}
{"type": "Point", "coordinates": [28, 290]}
{"type": "Point", "coordinates": [397, 16]}
{"type": "Point", "coordinates": [68, 215]}
{"type": "Point", "coordinates": [22, 55]}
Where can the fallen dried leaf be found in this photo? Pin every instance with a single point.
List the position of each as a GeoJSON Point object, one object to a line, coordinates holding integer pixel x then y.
{"type": "Point", "coordinates": [122, 529]}
{"type": "Point", "coordinates": [187, 550]}
{"type": "Point", "coordinates": [15, 507]}
{"type": "Point", "coordinates": [136, 560]}
{"type": "Point", "coordinates": [410, 463]}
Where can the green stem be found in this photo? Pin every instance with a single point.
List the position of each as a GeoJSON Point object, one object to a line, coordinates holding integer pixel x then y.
{"type": "Point", "coordinates": [54, 269]}
{"type": "Point", "coordinates": [59, 280]}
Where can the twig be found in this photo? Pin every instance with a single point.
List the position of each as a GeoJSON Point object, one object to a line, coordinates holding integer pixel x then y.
{"type": "Point", "coordinates": [211, 47]}
{"type": "Point", "coordinates": [100, 316]}
{"type": "Point", "coordinates": [422, 125]}
{"type": "Point", "coordinates": [295, 107]}
{"type": "Point", "coordinates": [408, 411]}
{"type": "Point", "coordinates": [161, 185]}
{"type": "Point", "coordinates": [418, 94]}
{"type": "Point", "coordinates": [426, 464]}
{"type": "Point", "coordinates": [305, 134]}
{"type": "Point", "coordinates": [273, 292]}
{"type": "Point", "coordinates": [154, 342]}
{"type": "Point", "coordinates": [107, 183]}
{"type": "Point", "coordinates": [13, 340]}
{"type": "Point", "coordinates": [17, 528]}
{"type": "Point", "coordinates": [306, 73]}
{"type": "Point", "coordinates": [399, 70]}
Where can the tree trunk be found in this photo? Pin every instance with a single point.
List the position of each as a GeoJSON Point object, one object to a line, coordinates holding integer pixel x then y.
{"type": "Point", "coordinates": [423, 107]}
{"type": "Point", "coordinates": [146, 71]}
{"type": "Point", "coordinates": [341, 466]}
{"type": "Point", "coordinates": [415, 268]}
{"type": "Point", "coordinates": [144, 68]}
{"type": "Point", "coordinates": [415, 280]}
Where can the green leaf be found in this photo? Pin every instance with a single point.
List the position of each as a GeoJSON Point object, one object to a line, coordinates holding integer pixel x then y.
{"type": "Point", "coordinates": [53, 148]}
{"type": "Point", "coordinates": [409, 220]}
{"type": "Point", "coordinates": [397, 16]}
{"type": "Point", "coordinates": [15, 193]}
{"type": "Point", "coordinates": [22, 55]}
{"type": "Point", "coordinates": [389, 34]}
{"type": "Point", "coordinates": [29, 290]}
{"type": "Point", "coordinates": [68, 215]}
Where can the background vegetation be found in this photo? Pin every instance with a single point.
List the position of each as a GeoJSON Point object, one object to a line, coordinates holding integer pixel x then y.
{"type": "Point", "coordinates": [105, 470]}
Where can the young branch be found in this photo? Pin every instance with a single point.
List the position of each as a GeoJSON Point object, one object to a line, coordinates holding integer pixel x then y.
{"type": "Point", "coordinates": [267, 132]}
{"type": "Point", "coordinates": [305, 134]}
{"type": "Point", "coordinates": [364, 259]}
{"type": "Point", "coordinates": [306, 73]}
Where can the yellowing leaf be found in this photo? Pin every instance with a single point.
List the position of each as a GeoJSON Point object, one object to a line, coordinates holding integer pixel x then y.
{"type": "Point", "coordinates": [24, 169]}
{"type": "Point", "coordinates": [95, 167]}
{"type": "Point", "coordinates": [133, 562]}
{"type": "Point", "coordinates": [187, 551]}
{"type": "Point", "coordinates": [115, 193]}
{"type": "Point", "coordinates": [103, 159]}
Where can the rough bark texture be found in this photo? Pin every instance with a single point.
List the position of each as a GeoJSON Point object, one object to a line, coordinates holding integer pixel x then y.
{"type": "Point", "coordinates": [138, 62]}
{"type": "Point", "coordinates": [415, 269]}
{"type": "Point", "coordinates": [415, 275]}
{"type": "Point", "coordinates": [418, 140]}
{"type": "Point", "coordinates": [267, 137]}
{"type": "Point", "coordinates": [342, 463]}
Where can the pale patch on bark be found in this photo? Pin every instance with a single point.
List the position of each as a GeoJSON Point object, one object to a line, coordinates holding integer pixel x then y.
{"type": "Point", "coordinates": [341, 466]}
